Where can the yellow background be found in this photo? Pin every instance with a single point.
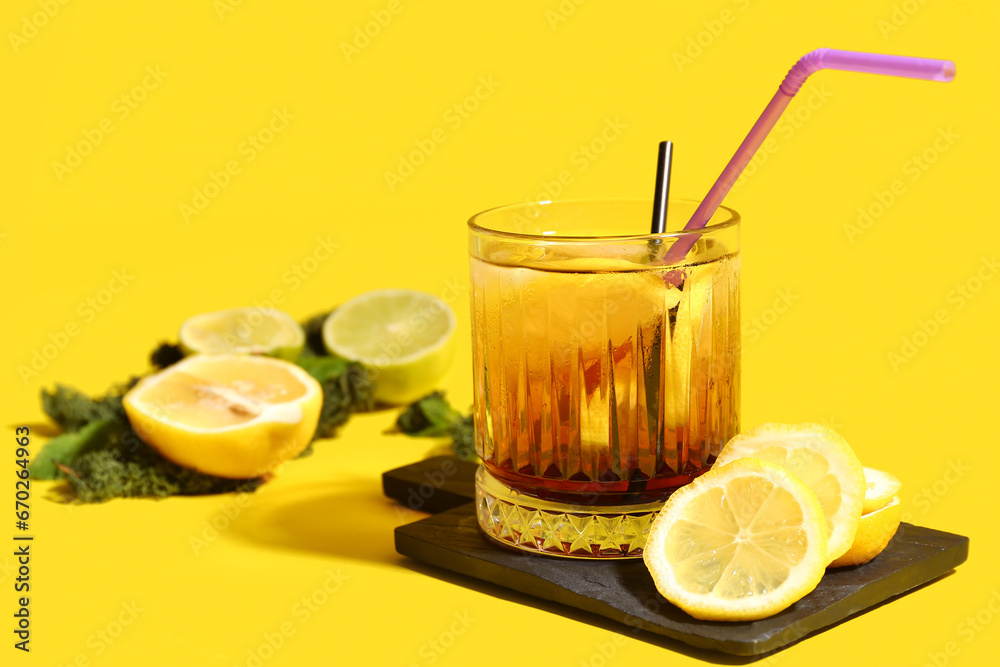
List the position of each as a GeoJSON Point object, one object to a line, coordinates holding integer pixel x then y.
{"type": "Point", "coordinates": [222, 74]}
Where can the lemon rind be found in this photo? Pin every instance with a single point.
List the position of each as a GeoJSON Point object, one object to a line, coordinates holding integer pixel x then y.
{"type": "Point", "coordinates": [874, 503]}
{"type": "Point", "coordinates": [859, 554]}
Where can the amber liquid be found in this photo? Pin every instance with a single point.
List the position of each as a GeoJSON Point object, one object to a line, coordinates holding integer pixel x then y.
{"type": "Point", "coordinates": [604, 387]}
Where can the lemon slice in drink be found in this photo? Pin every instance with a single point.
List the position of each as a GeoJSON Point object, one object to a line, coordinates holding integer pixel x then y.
{"type": "Point", "coordinates": [874, 532]}
{"type": "Point", "coordinates": [880, 488]}
{"type": "Point", "coordinates": [690, 331]}
{"type": "Point", "coordinates": [244, 330]}
{"type": "Point", "coordinates": [404, 337]}
{"type": "Point", "coordinates": [822, 459]}
{"type": "Point", "coordinates": [231, 415]}
{"type": "Point", "coordinates": [740, 543]}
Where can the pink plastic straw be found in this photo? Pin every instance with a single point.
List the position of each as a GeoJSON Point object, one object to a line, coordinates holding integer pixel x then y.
{"type": "Point", "coordinates": [850, 61]}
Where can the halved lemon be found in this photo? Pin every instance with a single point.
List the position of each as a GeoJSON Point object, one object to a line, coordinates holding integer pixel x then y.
{"type": "Point", "coordinates": [229, 415]}
{"type": "Point", "coordinates": [822, 459]}
{"type": "Point", "coordinates": [880, 488]}
{"type": "Point", "coordinates": [403, 336]}
{"type": "Point", "coordinates": [252, 330]}
{"type": "Point", "coordinates": [740, 543]}
{"type": "Point", "coordinates": [874, 533]}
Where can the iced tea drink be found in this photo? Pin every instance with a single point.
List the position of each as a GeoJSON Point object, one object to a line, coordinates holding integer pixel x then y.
{"type": "Point", "coordinates": [605, 375]}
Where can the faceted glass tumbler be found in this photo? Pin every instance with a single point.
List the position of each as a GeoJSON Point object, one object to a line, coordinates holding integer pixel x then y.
{"type": "Point", "coordinates": [606, 368]}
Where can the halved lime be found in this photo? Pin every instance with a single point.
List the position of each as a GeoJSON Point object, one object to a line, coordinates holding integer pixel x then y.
{"type": "Point", "coordinates": [253, 330]}
{"type": "Point", "coordinates": [403, 336]}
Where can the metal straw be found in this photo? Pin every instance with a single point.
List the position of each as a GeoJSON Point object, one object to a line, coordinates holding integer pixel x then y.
{"type": "Point", "coordinates": [664, 159]}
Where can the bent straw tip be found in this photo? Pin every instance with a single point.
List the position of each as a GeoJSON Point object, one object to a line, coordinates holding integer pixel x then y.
{"type": "Point", "coordinates": [947, 71]}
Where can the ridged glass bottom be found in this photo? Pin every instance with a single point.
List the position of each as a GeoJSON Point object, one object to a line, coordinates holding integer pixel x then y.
{"type": "Point", "coordinates": [571, 531]}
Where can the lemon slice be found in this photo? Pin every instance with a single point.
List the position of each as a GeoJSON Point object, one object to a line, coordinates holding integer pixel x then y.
{"type": "Point", "coordinates": [880, 487]}
{"type": "Point", "coordinates": [404, 337]}
{"type": "Point", "coordinates": [229, 415]}
{"type": "Point", "coordinates": [874, 532]}
{"type": "Point", "coordinates": [822, 459]}
{"type": "Point", "coordinates": [740, 543]}
{"type": "Point", "coordinates": [244, 330]}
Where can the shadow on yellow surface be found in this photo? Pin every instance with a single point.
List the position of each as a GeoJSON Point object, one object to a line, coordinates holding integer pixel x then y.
{"type": "Point", "coordinates": [350, 519]}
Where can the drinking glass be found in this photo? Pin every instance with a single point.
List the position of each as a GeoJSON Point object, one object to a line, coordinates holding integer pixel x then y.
{"type": "Point", "coordinates": [607, 373]}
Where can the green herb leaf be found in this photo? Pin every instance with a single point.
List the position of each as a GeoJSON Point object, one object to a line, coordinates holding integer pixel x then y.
{"type": "Point", "coordinates": [165, 355]}
{"type": "Point", "coordinates": [463, 435]}
{"type": "Point", "coordinates": [428, 417]}
{"type": "Point", "coordinates": [346, 390]}
{"type": "Point", "coordinates": [433, 416]}
{"type": "Point", "coordinates": [324, 368]}
{"type": "Point", "coordinates": [126, 467]}
{"type": "Point", "coordinates": [73, 410]}
{"type": "Point", "coordinates": [65, 447]}
{"type": "Point", "coordinates": [313, 328]}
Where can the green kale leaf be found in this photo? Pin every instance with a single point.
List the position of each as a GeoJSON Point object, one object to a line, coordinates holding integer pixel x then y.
{"type": "Point", "coordinates": [165, 355]}
{"type": "Point", "coordinates": [346, 390]}
{"type": "Point", "coordinates": [433, 416]}
{"type": "Point", "coordinates": [72, 409]}
{"type": "Point", "coordinates": [313, 328]}
{"type": "Point", "coordinates": [429, 416]}
{"type": "Point", "coordinates": [63, 448]}
{"type": "Point", "coordinates": [126, 467]}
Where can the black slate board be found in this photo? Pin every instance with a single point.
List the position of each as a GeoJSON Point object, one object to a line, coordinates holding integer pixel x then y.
{"type": "Point", "coordinates": [622, 590]}
{"type": "Point", "coordinates": [432, 485]}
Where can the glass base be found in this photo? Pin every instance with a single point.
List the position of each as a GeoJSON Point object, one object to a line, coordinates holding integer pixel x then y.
{"type": "Point", "coordinates": [556, 529]}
